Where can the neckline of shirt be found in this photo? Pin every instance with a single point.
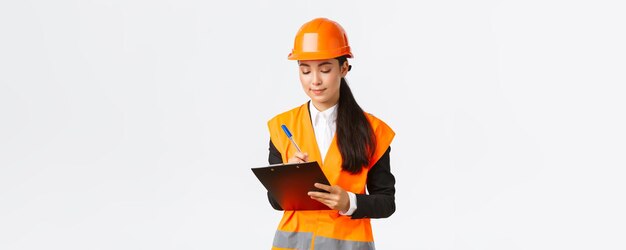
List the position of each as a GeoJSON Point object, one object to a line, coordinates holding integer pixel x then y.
{"type": "Point", "coordinates": [330, 114]}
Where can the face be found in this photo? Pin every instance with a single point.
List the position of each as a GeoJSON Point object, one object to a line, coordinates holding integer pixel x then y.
{"type": "Point", "coordinates": [321, 80]}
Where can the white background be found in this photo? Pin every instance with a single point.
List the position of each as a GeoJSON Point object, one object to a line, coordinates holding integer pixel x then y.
{"type": "Point", "coordinates": [134, 124]}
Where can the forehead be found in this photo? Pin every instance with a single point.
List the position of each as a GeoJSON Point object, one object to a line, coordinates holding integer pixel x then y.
{"type": "Point", "coordinates": [317, 62]}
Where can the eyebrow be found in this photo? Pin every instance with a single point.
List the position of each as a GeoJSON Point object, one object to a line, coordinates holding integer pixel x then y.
{"type": "Point", "coordinates": [324, 63]}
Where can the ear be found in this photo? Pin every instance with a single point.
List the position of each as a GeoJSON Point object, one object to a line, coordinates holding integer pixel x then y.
{"type": "Point", "coordinates": [345, 67]}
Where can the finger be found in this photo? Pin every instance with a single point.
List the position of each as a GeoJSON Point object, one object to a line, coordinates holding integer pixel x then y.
{"type": "Point", "coordinates": [294, 159]}
{"type": "Point", "coordinates": [301, 156]}
{"type": "Point", "coordinates": [322, 186]}
{"type": "Point", "coordinates": [320, 195]}
{"type": "Point", "coordinates": [323, 201]}
{"type": "Point", "coordinates": [330, 204]}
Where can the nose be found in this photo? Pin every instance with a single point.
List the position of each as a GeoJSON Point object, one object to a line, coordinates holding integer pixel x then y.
{"type": "Point", "coordinates": [317, 78]}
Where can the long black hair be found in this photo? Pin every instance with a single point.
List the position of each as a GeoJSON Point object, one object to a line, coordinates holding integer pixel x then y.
{"type": "Point", "coordinates": [355, 136]}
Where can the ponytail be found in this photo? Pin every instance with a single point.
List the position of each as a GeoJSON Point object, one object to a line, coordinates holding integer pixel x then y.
{"type": "Point", "coordinates": [355, 136]}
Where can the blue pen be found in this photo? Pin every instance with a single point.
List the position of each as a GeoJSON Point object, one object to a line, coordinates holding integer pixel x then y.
{"type": "Point", "coordinates": [290, 136]}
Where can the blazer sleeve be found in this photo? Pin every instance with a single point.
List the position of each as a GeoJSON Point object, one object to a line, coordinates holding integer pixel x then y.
{"type": "Point", "coordinates": [274, 158]}
{"type": "Point", "coordinates": [380, 202]}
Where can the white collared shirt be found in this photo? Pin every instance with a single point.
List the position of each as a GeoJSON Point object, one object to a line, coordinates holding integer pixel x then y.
{"type": "Point", "coordinates": [325, 126]}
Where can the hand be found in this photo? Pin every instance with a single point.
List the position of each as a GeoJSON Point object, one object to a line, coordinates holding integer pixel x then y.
{"type": "Point", "coordinates": [299, 157]}
{"type": "Point", "coordinates": [337, 198]}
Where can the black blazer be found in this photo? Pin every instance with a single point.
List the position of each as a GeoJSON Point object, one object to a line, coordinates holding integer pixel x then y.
{"type": "Point", "coordinates": [379, 203]}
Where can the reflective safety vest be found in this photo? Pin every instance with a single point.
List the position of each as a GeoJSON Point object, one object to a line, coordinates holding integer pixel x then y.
{"type": "Point", "coordinates": [324, 229]}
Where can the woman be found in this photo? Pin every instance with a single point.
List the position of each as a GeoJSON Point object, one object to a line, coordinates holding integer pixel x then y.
{"type": "Point", "coordinates": [351, 146]}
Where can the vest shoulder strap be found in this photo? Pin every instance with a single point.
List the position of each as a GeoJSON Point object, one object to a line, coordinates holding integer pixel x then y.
{"type": "Point", "coordinates": [274, 125]}
{"type": "Point", "coordinates": [384, 135]}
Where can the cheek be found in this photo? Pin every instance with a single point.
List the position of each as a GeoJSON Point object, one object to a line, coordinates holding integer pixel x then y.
{"type": "Point", "coordinates": [304, 80]}
{"type": "Point", "coordinates": [333, 80]}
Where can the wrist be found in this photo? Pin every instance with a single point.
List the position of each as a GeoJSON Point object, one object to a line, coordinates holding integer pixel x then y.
{"type": "Point", "coordinates": [351, 207]}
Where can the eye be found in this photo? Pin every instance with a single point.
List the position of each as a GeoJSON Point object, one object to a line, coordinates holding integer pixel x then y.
{"type": "Point", "coordinates": [306, 72]}
{"type": "Point", "coordinates": [325, 70]}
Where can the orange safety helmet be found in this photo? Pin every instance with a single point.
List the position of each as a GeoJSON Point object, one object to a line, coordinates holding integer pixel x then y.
{"type": "Point", "coordinates": [318, 39]}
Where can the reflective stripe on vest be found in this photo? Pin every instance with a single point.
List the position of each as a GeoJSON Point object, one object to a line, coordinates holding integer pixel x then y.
{"type": "Point", "coordinates": [322, 243]}
{"type": "Point", "coordinates": [326, 225]}
{"type": "Point", "coordinates": [295, 240]}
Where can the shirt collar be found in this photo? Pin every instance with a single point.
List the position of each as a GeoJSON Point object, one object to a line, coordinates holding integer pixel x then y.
{"type": "Point", "coordinates": [330, 113]}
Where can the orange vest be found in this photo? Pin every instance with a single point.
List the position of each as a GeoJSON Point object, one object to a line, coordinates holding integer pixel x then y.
{"type": "Point", "coordinates": [324, 229]}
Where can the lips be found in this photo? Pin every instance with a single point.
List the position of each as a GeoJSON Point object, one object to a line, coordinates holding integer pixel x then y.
{"type": "Point", "coordinates": [317, 91]}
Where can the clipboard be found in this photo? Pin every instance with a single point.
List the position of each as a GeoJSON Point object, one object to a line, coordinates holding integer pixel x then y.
{"type": "Point", "coordinates": [289, 184]}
